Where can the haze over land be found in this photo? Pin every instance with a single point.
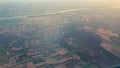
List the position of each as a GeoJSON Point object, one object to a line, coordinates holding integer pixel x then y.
{"type": "Point", "coordinates": [59, 33]}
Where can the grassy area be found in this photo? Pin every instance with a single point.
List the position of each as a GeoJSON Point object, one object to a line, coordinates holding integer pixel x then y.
{"type": "Point", "coordinates": [38, 60]}
{"type": "Point", "coordinates": [89, 65]}
{"type": "Point", "coordinates": [2, 61]}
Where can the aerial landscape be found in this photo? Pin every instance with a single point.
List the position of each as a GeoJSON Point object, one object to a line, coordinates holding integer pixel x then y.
{"type": "Point", "coordinates": [59, 34]}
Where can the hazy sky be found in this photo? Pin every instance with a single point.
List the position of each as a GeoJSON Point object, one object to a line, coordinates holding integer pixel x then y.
{"type": "Point", "coordinates": [108, 2]}
{"type": "Point", "coordinates": [68, 0]}
{"type": "Point", "coordinates": [65, 0]}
